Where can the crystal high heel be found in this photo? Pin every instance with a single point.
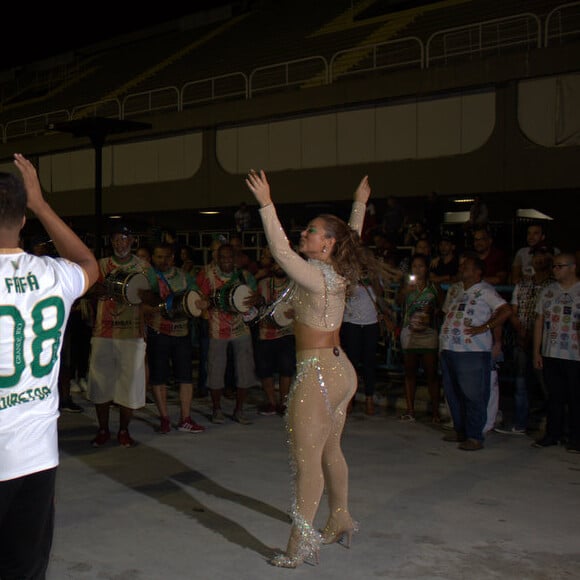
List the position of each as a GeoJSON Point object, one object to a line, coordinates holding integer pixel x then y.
{"type": "Point", "coordinates": [304, 546]}
{"type": "Point", "coordinates": [341, 537]}
{"type": "Point", "coordinates": [283, 560]}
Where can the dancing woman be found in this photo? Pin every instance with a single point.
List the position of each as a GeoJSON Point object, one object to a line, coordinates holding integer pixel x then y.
{"type": "Point", "coordinates": [325, 379]}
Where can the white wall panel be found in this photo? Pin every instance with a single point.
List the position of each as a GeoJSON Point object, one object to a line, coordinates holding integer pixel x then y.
{"type": "Point", "coordinates": [477, 120]}
{"type": "Point", "coordinates": [227, 149]}
{"type": "Point", "coordinates": [396, 132]}
{"type": "Point", "coordinates": [439, 124]}
{"type": "Point", "coordinates": [158, 160]}
{"type": "Point", "coordinates": [319, 141]}
{"type": "Point", "coordinates": [253, 147]}
{"type": "Point", "coordinates": [537, 110]}
{"type": "Point", "coordinates": [285, 145]}
{"type": "Point", "coordinates": [356, 136]}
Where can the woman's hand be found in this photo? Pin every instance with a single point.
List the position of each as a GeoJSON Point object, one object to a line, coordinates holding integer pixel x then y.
{"type": "Point", "coordinates": [363, 191]}
{"type": "Point", "coordinates": [259, 186]}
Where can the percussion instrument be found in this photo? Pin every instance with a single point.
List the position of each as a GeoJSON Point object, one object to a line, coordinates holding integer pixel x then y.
{"type": "Point", "coordinates": [231, 297]}
{"type": "Point", "coordinates": [280, 314]}
{"type": "Point", "coordinates": [124, 286]}
{"type": "Point", "coordinates": [181, 305]}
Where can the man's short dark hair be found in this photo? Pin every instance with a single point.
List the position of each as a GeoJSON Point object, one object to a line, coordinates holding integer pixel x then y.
{"type": "Point", "coordinates": [12, 199]}
{"type": "Point", "coordinates": [477, 262]}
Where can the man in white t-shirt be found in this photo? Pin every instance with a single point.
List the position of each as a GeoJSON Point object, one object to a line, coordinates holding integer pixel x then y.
{"type": "Point", "coordinates": [37, 293]}
{"type": "Point", "coordinates": [522, 266]}
{"type": "Point", "coordinates": [473, 310]}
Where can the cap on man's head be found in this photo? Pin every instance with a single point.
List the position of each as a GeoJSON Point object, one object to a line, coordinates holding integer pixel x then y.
{"type": "Point", "coordinates": [121, 228]}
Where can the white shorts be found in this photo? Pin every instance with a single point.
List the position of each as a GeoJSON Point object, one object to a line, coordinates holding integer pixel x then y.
{"type": "Point", "coordinates": [117, 372]}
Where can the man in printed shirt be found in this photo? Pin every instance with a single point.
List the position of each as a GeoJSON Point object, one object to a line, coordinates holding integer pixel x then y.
{"type": "Point", "coordinates": [169, 346]}
{"type": "Point", "coordinates": [473, 310]}
{"type": "Point", "coordinates": [557, 352]}
{"type": "Point", "coordinates": [226, 325]}
{"type": "Point", "coordinates": [523, 303]}
{"type": "Point", "coordinates": [117, 363]}
{"type": "Point", "coordinates": [36, 296]}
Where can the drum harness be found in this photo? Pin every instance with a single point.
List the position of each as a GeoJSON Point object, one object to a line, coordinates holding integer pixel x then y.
{"type": "Point", "coordinates": [169, 300]}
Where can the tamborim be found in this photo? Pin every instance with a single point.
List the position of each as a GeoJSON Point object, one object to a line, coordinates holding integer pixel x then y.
{"type": "Point", "coordinates": [231, 297]}
{"type": "Point", "coordinates": [181, 305]}
{"type": "Point", "coordinates": [124, 286]}
{"type": "Point", "coordinates": [281, 315]}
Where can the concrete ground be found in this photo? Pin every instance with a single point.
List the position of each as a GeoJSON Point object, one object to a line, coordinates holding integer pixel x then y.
{"type": "Point", "coordinates": [213, 505]}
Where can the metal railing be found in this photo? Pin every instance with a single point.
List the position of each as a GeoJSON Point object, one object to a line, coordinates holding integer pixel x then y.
{"type": "Point", "coordinates": [478, 40]}
{"type": "Point", "coordinates": [164, 99]}
{"type": "Point", "coordinates": [214, 89]}
{"type": "Point", "coordinates": [288, 74]}
{"type": "Point", "coordinates": [562, 23]}
{"type": "Point", "coordinates": [398, 53]}
{"type": "Point", "coordinates": [496, 36]}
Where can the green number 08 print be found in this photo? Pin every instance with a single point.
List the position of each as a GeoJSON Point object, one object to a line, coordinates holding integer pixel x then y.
{"type": "Point", "coordinates": [43, 338]}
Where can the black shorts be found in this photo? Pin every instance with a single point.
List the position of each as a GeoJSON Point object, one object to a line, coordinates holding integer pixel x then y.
{"type": "Point", "coordinates": [276, 356]}
{"type": "Point", "coordinates": [169, 357]}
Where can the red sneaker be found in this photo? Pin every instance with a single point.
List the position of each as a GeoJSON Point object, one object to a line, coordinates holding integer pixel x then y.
{"type": "Point", "coordinates": [190, 426]}
{"type": "Point", "coordinates": [102, 437]}
{"type": "Point", "coordinates": [165, 426]}
{"type": "Point", "coordinates": [124, 439]}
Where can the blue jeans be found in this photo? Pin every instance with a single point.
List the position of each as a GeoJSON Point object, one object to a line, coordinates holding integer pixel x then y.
{"type": "Point", "coordinates": [466, 378]}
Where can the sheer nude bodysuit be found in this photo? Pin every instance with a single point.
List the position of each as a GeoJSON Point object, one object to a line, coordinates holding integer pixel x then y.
{"type": "Point", "coordinates": [324, 384]}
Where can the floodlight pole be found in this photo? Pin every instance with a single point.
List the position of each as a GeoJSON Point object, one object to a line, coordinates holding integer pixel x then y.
{"type": "Point", "coordinates": [97, 129]}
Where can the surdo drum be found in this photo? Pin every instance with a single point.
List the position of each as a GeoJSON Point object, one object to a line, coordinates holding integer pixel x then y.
{"type": "Point", "coordinates": [124, 286]}
{"type": "Point", "coordinates": [181, 305]}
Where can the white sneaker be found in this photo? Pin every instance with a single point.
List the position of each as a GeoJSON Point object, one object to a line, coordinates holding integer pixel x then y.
{"type": "Point", "coordinates": [75, 387]}
{"type": "Point", "coordinates": [83, 384]}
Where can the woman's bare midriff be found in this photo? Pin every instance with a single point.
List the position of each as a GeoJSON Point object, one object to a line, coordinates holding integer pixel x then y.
{"type": "Point", "coordinates": [308, 337]}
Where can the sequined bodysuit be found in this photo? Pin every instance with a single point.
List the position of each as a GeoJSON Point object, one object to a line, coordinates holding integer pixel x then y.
{"type": "Point", "coordinates": [324, 384]}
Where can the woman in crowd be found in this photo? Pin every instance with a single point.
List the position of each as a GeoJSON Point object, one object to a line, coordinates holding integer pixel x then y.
{"type": "Point", "coordinates": [421, 302]}
{"type": "Point", "coordinates": [325, 379]}
{"type": "Point", "coordinates": [365, 313]}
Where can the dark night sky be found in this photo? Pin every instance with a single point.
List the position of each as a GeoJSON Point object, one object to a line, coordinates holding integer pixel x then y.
{"type": "Point", "coordinates": [49, 30]}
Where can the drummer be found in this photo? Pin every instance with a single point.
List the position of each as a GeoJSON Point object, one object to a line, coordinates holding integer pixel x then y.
{"type": "Point", "coordinates": [117, 361]}
{"type": "Point", "coordinates": [169, 345]}
{"type": "Point", "coordinates": [227, 326]}
{"type": "Point", "coordinates": [275, 347]}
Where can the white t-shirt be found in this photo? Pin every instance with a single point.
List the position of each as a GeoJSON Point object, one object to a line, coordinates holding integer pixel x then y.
{"type": "Point", "coordinates": [524, 257]}
{"type": "Point", "coordinates": [561, 311]}
{"type": "Point", "coordinates": [36, 295]}
{"type": "Point", "coordinates": [464, 309]}
{"type": "Point", "coordinates": [360, 308]}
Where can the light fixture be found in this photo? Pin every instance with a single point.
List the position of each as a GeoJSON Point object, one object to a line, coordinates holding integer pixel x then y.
{"type": "Point", "coordinates": [532, 214]}
{"type": "Point", "coordinates": [115, 217]}
{"type": "Point", "coordinates": [208, 212]}
{"type": "Point", "coordinates": [464, 200]}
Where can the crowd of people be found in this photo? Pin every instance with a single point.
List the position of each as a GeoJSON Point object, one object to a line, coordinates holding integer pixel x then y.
{"type": "Point", "coordinates": [302, 321]}
{"type": "Point", "coordinates": [418, 304]}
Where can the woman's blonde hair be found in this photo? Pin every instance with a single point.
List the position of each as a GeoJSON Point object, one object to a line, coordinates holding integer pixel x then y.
{"type": "Point", "coordinates": [350, 257]}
